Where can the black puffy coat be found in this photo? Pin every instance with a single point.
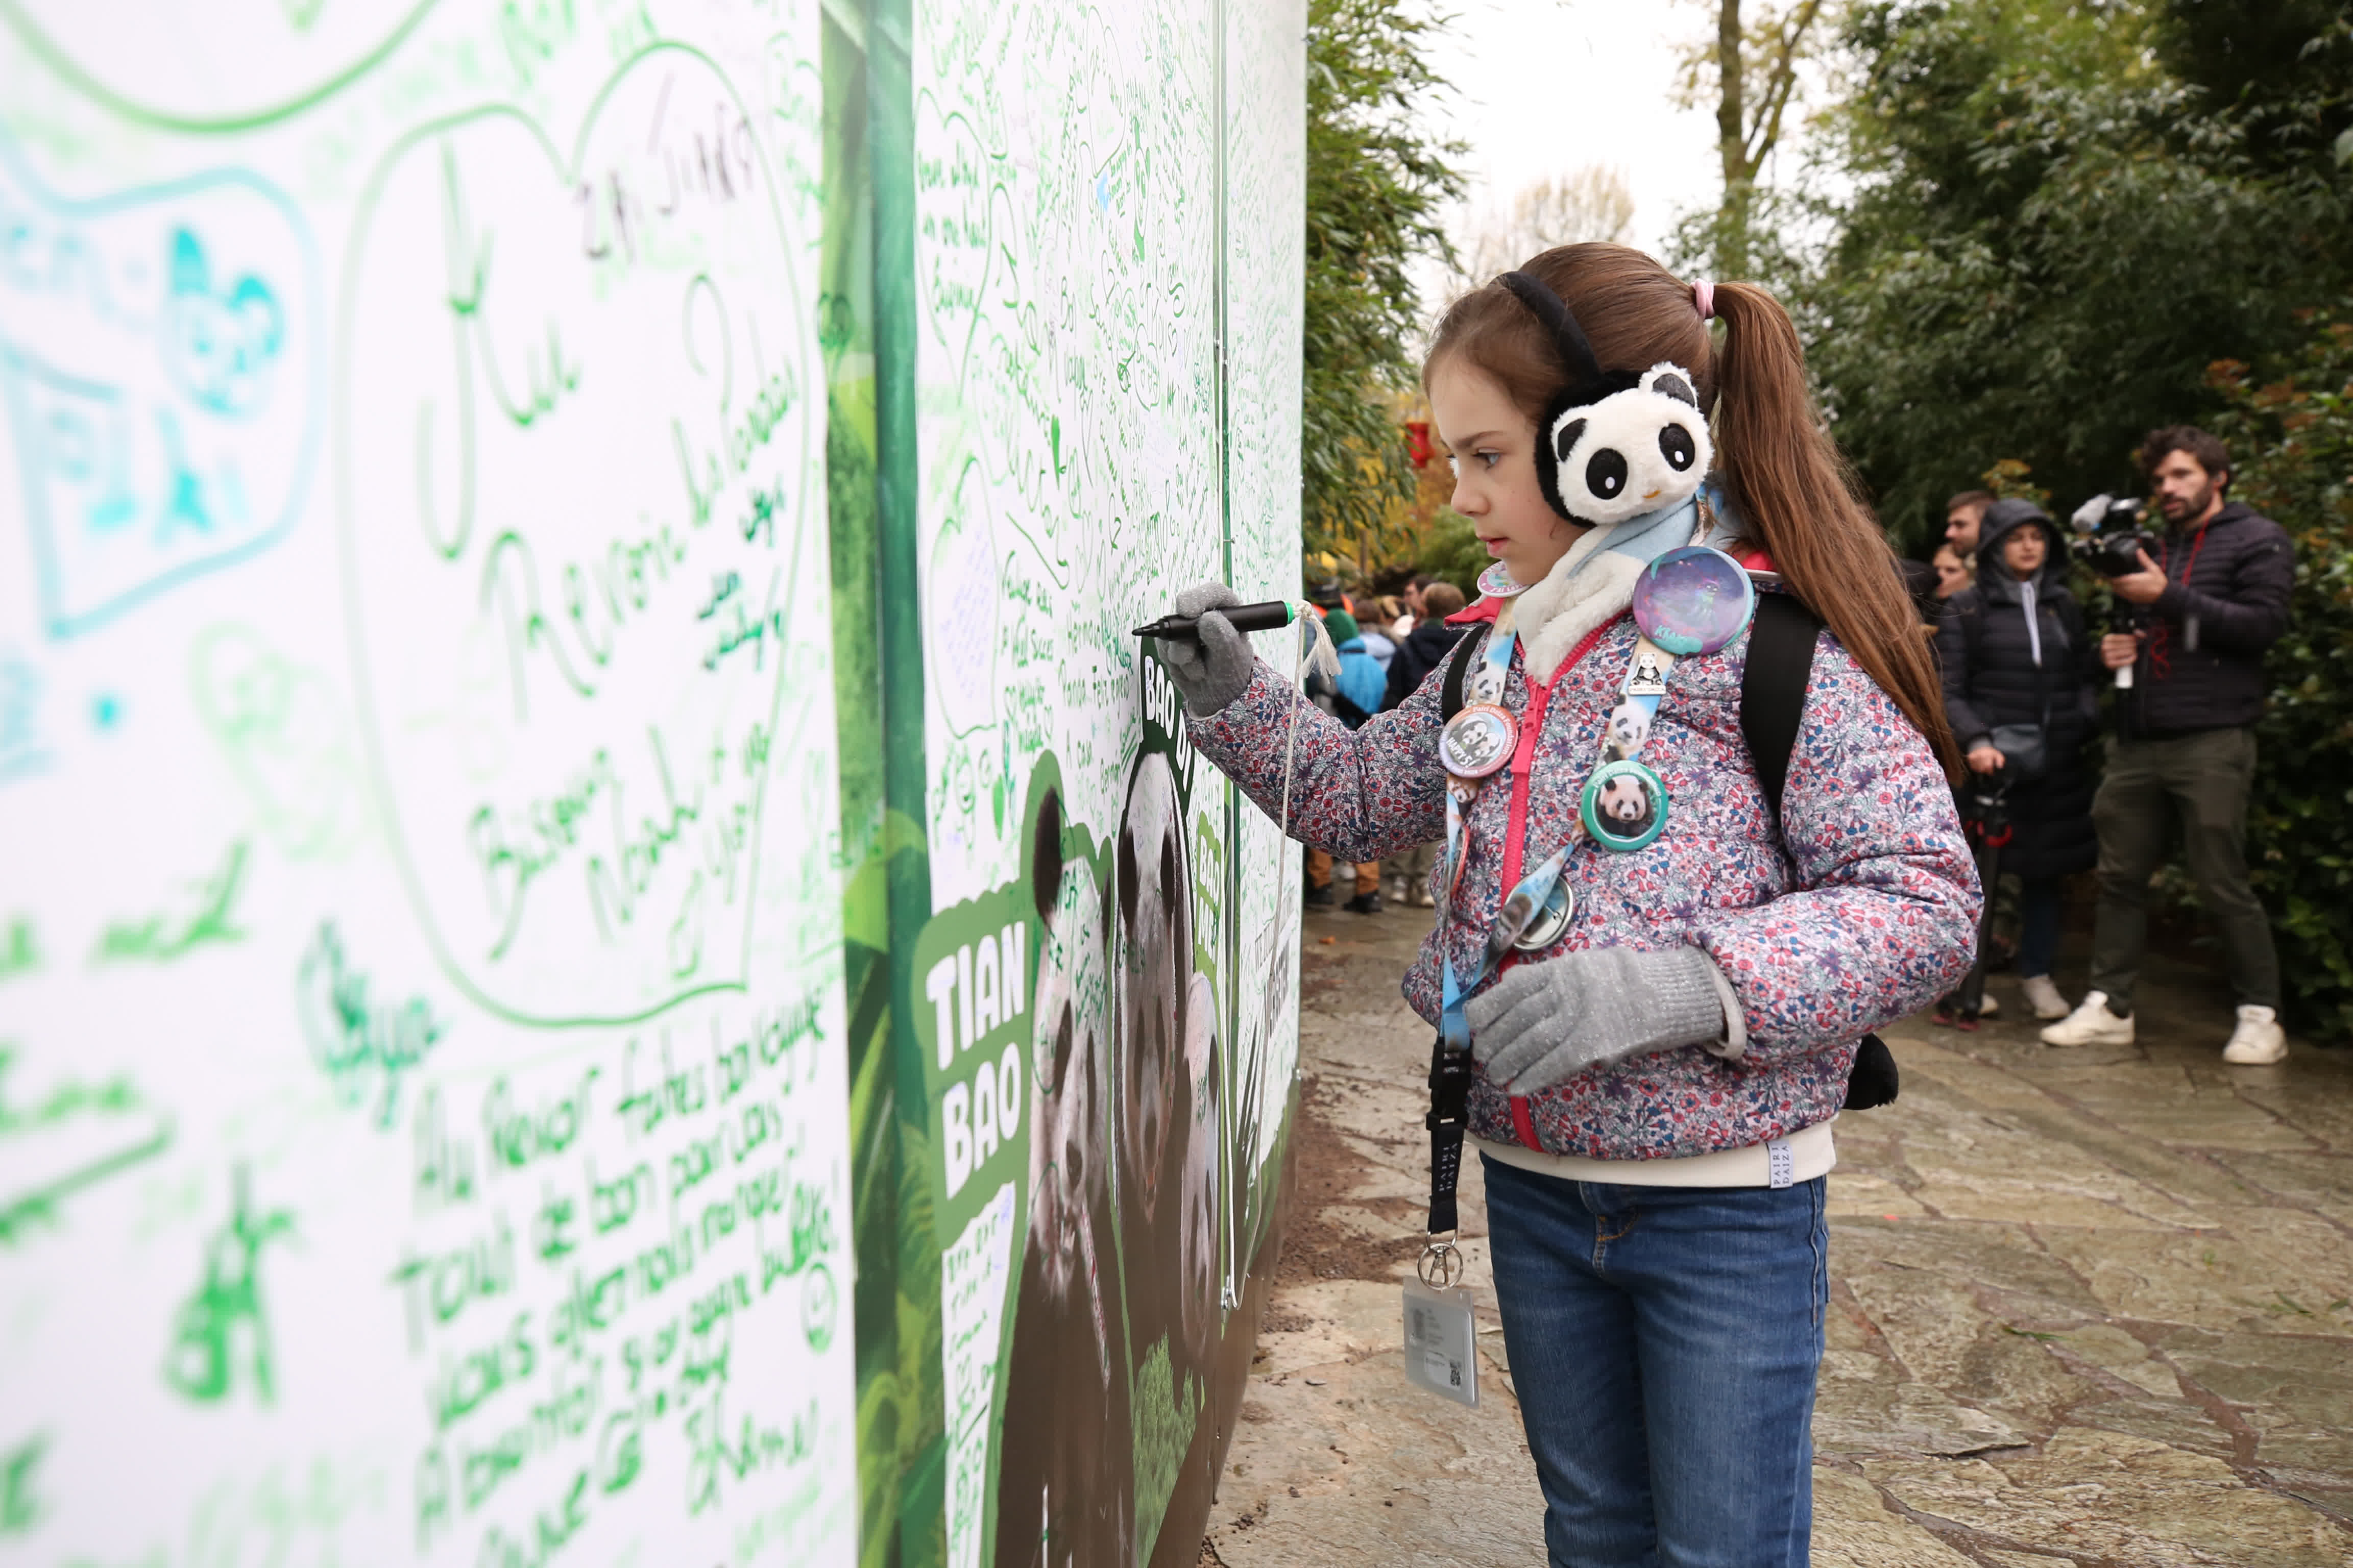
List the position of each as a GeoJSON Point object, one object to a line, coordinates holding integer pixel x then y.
{"type": "Point", "coordinates": [2232, 583]}
{"type": "Point", "coordinates": [1423, 650]}
{"type": "Point", "coordinates": [1987, 653]}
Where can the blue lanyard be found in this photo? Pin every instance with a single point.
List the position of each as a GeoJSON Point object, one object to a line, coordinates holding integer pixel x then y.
{"type": "Point", "coordinates": [1642, 690]}
{"type": "Point", "coordinates": [1450, 1056]}
{"type": "Point", "coordinates": [1454, 1027]}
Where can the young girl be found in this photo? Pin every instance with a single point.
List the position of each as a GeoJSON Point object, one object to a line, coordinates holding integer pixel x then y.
{"type": "Point", "coordinates": [1656, 1075]}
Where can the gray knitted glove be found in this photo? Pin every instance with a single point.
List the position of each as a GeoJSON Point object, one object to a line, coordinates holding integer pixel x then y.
{"type": "Point", "coordinates": [1545, 1021]}
{"type": "Point", "coordinates": [1212, 671]}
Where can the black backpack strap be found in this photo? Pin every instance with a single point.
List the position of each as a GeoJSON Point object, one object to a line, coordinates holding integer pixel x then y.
{"type": "Point", "coordinates": [1458, 664]}
{"type": "Point", "coordinates": [1773, 686]}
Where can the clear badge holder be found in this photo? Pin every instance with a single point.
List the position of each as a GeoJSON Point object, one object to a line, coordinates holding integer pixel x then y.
{"type": "Point", "coordinates": [1441, 1334]}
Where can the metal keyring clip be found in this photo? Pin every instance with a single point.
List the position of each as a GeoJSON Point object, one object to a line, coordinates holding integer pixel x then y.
{"type": "Point", "coordinates": [1441, 1265]}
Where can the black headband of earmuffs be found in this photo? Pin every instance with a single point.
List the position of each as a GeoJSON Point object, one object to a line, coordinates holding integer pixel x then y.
{"type": "Point", "coordinates": [1576, 353]}
{"type": "Point", "coordinates": [1587, 381]}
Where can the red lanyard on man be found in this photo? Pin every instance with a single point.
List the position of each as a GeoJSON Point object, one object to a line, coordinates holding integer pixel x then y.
{"type": "Point", "coordinates": [2159, 664]}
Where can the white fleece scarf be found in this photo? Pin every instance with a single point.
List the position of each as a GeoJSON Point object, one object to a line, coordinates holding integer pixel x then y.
{"type": "Point", "coordinates": [1594, 583]}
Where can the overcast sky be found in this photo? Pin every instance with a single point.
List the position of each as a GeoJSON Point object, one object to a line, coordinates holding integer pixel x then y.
{"type": "Point", "coordinates": [1543, 87]}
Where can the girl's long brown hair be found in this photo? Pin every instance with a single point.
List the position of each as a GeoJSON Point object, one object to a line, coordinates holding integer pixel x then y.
{"type": "Point", "coordinates": [1794, 493]}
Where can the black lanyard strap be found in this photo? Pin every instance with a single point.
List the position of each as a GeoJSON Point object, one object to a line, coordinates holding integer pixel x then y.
{"type": "Point", "coordinates": [1449, 1117]}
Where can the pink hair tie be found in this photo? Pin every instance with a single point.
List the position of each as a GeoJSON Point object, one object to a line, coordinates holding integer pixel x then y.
{"type": "Point", "coordinates": [1703, 296]}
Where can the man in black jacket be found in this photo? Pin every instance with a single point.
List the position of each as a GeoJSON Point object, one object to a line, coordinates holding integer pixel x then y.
{"type": "Point", "coordinates": [2185, 743]}
{"type": "Point", "coordinates": [1426, 647]}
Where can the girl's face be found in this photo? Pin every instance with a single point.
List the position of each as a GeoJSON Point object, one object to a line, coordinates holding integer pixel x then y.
{"type": "Point", "coordinates": [2025, 551]}
{"type": "Point", "coordinates": [1494, 448]}
{"type": "Point", "coordinates": [1951, 575]}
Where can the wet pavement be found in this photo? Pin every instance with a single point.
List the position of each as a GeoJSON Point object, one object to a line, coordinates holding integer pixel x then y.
{"type": "Point", "coordinates": [2089, 1307]}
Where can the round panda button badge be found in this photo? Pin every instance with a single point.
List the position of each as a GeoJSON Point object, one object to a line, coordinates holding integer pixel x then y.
{"type": "Point", "coordinates": [1624, 807]}
{"type": "Point", "coordinates": [1497, 583]}
{"type": "Point", "coordinates": [1478, 741]}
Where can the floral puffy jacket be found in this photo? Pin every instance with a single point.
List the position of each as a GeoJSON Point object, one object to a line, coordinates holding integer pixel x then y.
{"type": "Point", "coordinates": [1858, 906]}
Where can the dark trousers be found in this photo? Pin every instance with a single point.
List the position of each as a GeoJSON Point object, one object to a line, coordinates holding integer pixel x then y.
{"type": "Point", "coordinates": [2203, 781]}
{"type": "Point", "coordinates": [2039, 906]}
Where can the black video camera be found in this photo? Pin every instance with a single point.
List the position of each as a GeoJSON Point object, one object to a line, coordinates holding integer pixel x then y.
{"type": "Point", "coordinates": [2109, 537]}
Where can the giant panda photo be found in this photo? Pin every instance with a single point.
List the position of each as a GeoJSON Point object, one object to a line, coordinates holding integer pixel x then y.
{"type": "Point", "coordinates": [1066, 1488]}
{"type": "Point", "coordinates": [1168, 1072]}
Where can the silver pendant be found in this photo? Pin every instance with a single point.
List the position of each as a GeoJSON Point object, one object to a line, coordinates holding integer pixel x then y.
{"type": "Point", "coordinates": [1551, 921]}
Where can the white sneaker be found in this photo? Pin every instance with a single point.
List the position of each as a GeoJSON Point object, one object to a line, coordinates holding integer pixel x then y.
{"type": "Point", "coordinates": [2091, 1024]}
{"type": "Point", "coordinates": [2043, 996]}
{"type": "Point", "coordinates": [1987, 1005]}
{"type": "Point", "coordinates": [2258, 1040]}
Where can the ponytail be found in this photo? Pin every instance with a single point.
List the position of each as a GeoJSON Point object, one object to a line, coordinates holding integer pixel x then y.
{"type": "Point", "coordinates": [1796, 500]}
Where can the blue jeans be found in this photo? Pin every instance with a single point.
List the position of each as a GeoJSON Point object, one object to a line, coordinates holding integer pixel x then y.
{"type": "Point", "coordinates": [1664, 1342]}
{"type": "Point", "coordinates": [2038, 924]}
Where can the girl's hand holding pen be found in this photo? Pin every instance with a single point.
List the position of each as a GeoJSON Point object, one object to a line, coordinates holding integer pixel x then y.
{"type": "Point", "coordinates": [1213, 667]}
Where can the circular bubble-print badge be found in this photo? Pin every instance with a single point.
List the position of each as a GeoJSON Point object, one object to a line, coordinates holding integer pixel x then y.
{"type": "Point", "coordinates": [1497, 582]}
{"type": "Point", "coordinates": [1478, 741]}
{"type": "Point", "coordinates": [1625, 806]}
{"type": "Point", "coordinates": [1559, 908]}
{"type": "Point", "coordinates": [1692, 600]}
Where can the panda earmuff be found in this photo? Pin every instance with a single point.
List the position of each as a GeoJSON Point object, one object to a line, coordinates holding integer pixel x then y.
{"type": "Point", "coordinates": [1617, 444]}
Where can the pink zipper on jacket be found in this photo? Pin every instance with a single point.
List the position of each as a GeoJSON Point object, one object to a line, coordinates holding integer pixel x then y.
{"type": "Point", "coordinates": [1515, 835]}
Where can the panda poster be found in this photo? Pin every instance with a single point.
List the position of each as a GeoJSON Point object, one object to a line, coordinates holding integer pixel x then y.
{"type": "Point", "coordinates": [616, 955]}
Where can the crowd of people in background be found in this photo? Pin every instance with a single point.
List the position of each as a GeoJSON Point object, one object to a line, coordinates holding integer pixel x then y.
{"type": "Point", "coordinates": [1385, 653]}
{"type": "Point", "coordinates": [2025, 670]}
{"type": "Point", "coordinates": [2187, 624]}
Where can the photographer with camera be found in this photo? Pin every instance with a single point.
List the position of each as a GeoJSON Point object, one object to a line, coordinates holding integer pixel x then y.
{"type": "Point", "coordinates": [2019, 671]}
{"type": "Point", "coordinates": [2204, 600]}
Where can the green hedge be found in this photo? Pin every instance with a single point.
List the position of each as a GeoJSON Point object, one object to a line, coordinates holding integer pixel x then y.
{"type": "Point", "coordinates": [2292, 440]}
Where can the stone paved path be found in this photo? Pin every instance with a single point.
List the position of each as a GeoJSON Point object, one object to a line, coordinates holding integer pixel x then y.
{"type": "Point", "coordinates": [2090, 1307]}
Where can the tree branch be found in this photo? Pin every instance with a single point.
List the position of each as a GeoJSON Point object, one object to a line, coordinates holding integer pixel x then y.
{"type": "Point", "coordinates": [1730, 109]}
{"type": "Point", "coordinates": [1781, 81]}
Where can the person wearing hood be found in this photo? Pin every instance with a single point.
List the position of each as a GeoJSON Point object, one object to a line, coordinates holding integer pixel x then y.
{"type": "Point", "coordinates": [2019, 689]}
{"type": "Point", "coordinates": [1362, 682]}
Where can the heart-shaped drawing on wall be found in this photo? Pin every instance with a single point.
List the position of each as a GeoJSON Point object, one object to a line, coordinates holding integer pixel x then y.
{"type": "Point", "coordinates": [578, 435]}
{"type": "Point", "coordinates": [958, 192]}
